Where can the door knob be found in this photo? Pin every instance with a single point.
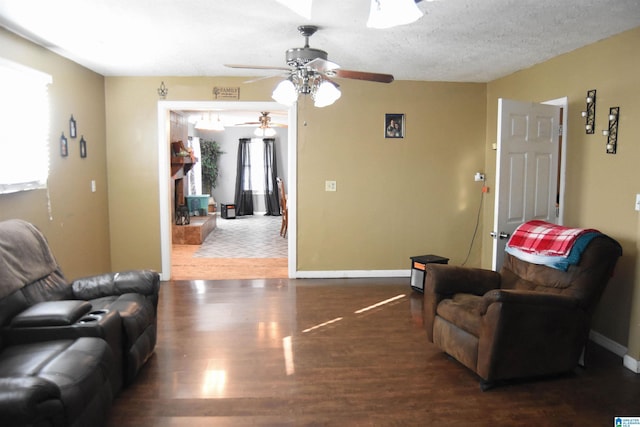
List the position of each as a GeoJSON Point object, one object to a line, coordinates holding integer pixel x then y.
{"type": "Point", "coordinates": [501, 235]}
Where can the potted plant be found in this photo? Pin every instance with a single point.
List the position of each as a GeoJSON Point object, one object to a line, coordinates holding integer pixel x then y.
{"type": "Point", "coordinates": [210, 154]}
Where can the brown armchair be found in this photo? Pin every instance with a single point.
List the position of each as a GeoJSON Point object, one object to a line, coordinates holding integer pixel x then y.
{"type": "Point", "coordinates": [528, 320]}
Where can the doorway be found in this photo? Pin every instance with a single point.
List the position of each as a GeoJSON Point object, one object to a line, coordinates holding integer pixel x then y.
{"type": "Point", "coordinates": [530, 167]}
{"type": "Point", "coordinates": [165, 216]}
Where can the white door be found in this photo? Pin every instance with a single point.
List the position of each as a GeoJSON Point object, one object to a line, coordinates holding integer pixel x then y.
{"type": "Point", "coordinates": [526, 168]}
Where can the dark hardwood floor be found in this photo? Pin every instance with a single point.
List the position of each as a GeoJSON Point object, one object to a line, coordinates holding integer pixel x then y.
{"type": "Point", "coordinates": [280, 352]}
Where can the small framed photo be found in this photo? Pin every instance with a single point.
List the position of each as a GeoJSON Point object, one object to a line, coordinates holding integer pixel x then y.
{"type": "Point", "coordinates": [394, 125]}
{"type": "Point", "coordinates": [83, 147]}
{"type": "Point", "coordinates": [73, 131]}
{"type": "Point", "coordinates": [64, 146]}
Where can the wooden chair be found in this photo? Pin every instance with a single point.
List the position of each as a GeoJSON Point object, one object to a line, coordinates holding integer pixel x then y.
{"type": "Point", "coordinates": [283, 207]}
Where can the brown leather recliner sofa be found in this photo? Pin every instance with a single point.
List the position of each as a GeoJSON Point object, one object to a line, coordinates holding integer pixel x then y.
{"type": "Point", "coordinates": [66, 349]}
{"type": "Point", "coordinates": [528, 320]}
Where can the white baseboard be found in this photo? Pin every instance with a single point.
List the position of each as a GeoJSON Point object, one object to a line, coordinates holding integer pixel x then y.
{"type": "Point", "coordinates": [351, 274]}
{"type": "Point", "coordinates": [608, 343]}
{"type": "Point", "coordinates": [618, 349]}
{"type": "Point", "coordinates": [631, 364]}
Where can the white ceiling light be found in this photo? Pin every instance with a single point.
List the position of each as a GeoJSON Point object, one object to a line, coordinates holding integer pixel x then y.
{"type": "Point", "coordinates": [391, 13]}
{"type": "Point", "coordinates": [285, 93]}
{"type": "Point", "coordinates": [265, 132]}
{"type": "Point", "coordinates": [208, 124]}
{"type": "Point", "coordinates": [307, 82]}
{"type": "Point", "coordinates": [326, 94]}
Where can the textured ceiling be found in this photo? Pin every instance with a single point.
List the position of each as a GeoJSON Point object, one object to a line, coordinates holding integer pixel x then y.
{"type": "Point", "coordinates": [456, 40]}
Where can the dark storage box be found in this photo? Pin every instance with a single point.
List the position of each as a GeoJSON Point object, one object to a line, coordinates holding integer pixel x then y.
{"type": "Point", "coordinates": [228, 211]}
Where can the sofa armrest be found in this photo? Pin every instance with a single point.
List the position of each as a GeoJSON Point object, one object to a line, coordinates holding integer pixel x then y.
{"type": "Point", "coordinates": [144, 282]}
{"type": "Point", "coordinates": [51, 313]}
{"type": "Point", "coordinates": [24, 400]}
{"type": "Point", "coordinates": [445, 279]}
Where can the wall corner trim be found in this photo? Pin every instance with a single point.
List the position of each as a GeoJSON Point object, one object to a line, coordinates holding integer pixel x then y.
{"type": "Point", "coordinates": [631, 364]}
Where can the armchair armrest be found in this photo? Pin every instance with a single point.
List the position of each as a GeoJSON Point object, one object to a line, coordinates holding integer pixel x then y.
{"type": "Point", "coordinates": [513, 296]}
{"type": "Point", "coordinates": [530, 297]}
{"type": "Point", "coordinates": [448, 279]}
{"type": "Point", "coordinates": [529, 332]}
{"type": "Point", "coordinates": [24, 400]}
{"type": "Point", "coordinates": [443, 281]}
{"type": "Point", "coordinates": [144, 282]}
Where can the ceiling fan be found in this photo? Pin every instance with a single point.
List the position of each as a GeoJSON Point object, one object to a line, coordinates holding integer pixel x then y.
{"type": "Point", "coordinates": [264, 121]}
{"type": "Point", "coordinates": [311, 73]}
{"type": "Point", "coordinates": [265, 127]}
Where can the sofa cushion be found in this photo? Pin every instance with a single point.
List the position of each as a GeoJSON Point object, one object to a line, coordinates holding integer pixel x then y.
{"type": "Point", "coordinates": [51, 313]}
{"type": "Point", "coordinates": [463, 310]}
{"type": "Point", "coordinates": [79, 369]}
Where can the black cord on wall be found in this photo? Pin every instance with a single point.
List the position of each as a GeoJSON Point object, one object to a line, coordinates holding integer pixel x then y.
{"type": "Point", "coordinates": [475, 230]}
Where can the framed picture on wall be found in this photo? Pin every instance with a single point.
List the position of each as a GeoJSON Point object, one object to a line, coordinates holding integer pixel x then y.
{"type": "Point", "coordinates": [394, 125]}
{"type": "Point", "coordinates": [64, 146]}
{"type": "Point", "coordinates": [73, 130]}
{"type": "Point", "coordinates": [83, 147]}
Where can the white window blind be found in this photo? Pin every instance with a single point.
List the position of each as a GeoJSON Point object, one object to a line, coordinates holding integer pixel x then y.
{"type": "Point", "coordinates": [24, 128]}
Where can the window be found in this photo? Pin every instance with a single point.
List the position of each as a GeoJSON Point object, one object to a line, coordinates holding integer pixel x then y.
{"type": "Point", "coordinates": [257, 165]}
{"type": "Point", "coordinates": [24, 128]}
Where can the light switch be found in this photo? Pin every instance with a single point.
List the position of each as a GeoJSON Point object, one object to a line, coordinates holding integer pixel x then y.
{"type": "Point", "coordinates": [93, 185]}
{"type": "Point", "coordinates": [638, 202]}
{"type": "Point", "coordinates": [329, 186]}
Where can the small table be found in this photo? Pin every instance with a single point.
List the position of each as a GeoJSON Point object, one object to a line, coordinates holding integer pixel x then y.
{"type": "Point", "coordinates": [418, 264]}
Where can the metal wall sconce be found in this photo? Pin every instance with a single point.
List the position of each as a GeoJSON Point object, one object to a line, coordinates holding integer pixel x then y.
{"type": "Point", "coordinates": [612, 132]}
{"type": "Point", "coordinates": [590, 113]}
{"type": "Point", "coordinates": [163, 91]}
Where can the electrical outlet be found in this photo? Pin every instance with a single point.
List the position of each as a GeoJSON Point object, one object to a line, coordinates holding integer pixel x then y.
{"type": "Point", "coordinates": [329, 186]}
{"type": "Point", "coordinates": [478, 177]}
{"type": "Point", "coordinates": [638, 202]}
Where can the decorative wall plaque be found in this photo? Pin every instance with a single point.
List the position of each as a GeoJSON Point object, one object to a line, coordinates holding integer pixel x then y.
{"type": "Point", "coordinates": [226, 93]}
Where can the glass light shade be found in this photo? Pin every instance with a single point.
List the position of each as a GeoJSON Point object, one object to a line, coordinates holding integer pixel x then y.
{"type": "Point", "coordinates": [285, 93]}
{"type": "Point", "coordinates": [326, 94]}
{"type": "Point", "coordinates": [217, 125]}
{"type": "Point", "coordinates": [391, 13]}
{"type": "Point", "coordinates": [264, 132]}
{"type": "Point", "coordinates": [204, 125]}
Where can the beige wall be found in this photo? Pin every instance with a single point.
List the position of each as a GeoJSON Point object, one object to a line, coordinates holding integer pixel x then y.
{"type": "Point", "coordinates": [77, 225]}
{"type": "Point", "coordinates": [132, 135]}
{"type": "Point", "coordinates": [395, 198]}
{"type": "Point", "coordinates": [600, 188]}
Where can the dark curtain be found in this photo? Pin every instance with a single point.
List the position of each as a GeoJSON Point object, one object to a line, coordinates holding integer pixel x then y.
{"type": "Point", "coordinates": [271, 198]}
{"type": "Point", "coordinates": [244, 195]}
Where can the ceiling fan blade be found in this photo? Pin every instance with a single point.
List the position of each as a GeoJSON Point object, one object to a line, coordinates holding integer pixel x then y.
{"type": "Point", "coordinates": [257, 79]}
{"type": "Point", "coordinates": [360, 75]}
{"type": "Point", "coordinates": [322, 65]}
{"type": "Point", "coordinates": [257, 67]}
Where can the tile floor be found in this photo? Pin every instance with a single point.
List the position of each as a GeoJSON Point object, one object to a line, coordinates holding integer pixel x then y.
{"type": "Point", "coordinates": [251, 236]}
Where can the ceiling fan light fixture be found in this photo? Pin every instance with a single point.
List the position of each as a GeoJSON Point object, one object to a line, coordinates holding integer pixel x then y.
{"type": "Point", "coordinates": [285, 93]}
{"type": "Point", "coordinates": [264, 132]}
{"type": "Point", "coordinates": [326, 94]}
{"type": "Point", "coordinates": [391, 13]}
{"type": "Point", "coordinates": [217, 125]}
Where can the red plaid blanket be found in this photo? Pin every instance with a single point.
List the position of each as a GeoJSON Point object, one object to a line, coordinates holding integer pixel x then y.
{"type": "Point", "coordinates": [542, 238]}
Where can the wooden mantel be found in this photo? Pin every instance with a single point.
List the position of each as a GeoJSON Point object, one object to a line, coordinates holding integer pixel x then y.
{"type": "Point", "coordinates": [181, 163]}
